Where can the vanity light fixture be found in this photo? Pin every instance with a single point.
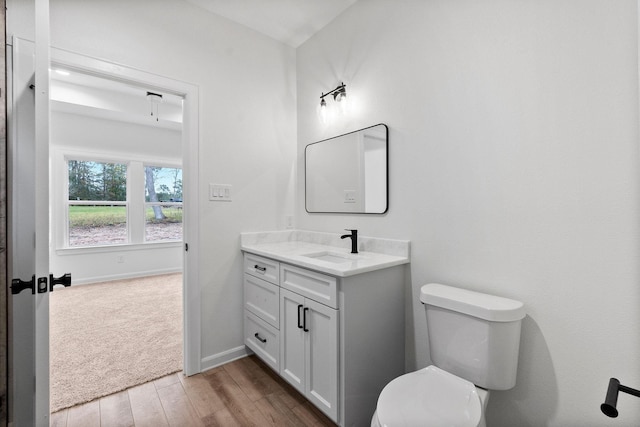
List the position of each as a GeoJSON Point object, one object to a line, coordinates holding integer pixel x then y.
{"type": "Point", "coordinates": [154, 99]}
{"type": "Point", "coordinates": [339, 95]}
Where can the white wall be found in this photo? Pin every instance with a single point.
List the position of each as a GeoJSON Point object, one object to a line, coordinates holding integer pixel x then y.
{"type": "Point", "coordinates": [514, 170]}
{"type": "Point", "coordinates": [247, 122]}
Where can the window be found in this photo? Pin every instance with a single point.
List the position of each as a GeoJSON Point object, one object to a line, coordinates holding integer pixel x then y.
{"type": "Point", "coordinates": [163, 203]}
{"type": "Point", "coordinates": [97, 203]}
{"type": "Point", "coordinates": [116, 202]}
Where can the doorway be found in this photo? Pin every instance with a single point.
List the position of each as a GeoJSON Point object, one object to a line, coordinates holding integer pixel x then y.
{"type": "Point", "coordinates": [190, 164]}
{"type": "Point", "coordinates": [116, 224]}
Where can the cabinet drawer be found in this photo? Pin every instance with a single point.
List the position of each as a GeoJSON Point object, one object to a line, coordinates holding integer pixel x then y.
{"type": "Point", "coordinates": [317, 286]}
{"type": "Point", "coordinates": [263, 339]}
{"type": "Point", "coordinates": [264, 268]}
{"type": "Point", "coordinates": [262, 299]}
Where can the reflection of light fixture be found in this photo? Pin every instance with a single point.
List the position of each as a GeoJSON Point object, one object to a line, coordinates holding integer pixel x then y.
{"type": "Point", "coordinates": [154, 99]}
{"type": "Point", "coordinates": [339, 95]}
{"type": "Point", "coordinates": [62, 72]}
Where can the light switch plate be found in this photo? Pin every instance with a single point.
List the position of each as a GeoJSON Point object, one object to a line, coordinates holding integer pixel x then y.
{"type": "Point", "coordinates": [220, 192]}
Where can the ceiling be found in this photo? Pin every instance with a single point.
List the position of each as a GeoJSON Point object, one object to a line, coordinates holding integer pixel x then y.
{"type": "Point", "coordinates": [289, 21]}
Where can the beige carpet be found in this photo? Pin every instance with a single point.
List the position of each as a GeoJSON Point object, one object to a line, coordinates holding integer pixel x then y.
{"type": "Point", "coordinates": [107, 337]}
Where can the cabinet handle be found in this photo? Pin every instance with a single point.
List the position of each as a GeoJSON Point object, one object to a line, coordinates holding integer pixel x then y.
{"type": "Point", "coordinates": [262, 340]}
{"type": "Point", "coordinates": [299, 325]}
{"type": "Point", "coordinates": [304, 319]}
{"type": "Point", "coordinates": [262, 269]}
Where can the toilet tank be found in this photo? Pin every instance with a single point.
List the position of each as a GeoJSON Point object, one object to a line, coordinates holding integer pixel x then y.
{"type": "Point", "coordinates": [473, 335]}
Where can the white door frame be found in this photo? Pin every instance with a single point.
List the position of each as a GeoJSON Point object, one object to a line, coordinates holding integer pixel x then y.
{"type": "Point", "coordinates": [190, 148]}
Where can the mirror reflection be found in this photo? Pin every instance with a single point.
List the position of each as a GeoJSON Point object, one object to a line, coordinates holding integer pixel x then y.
{"type": "Point", "coordinates": [348, 173]}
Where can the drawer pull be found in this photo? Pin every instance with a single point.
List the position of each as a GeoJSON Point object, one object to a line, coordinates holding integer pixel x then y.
{"type": "Point", "coordinates": [262, 269]}
{"type": "Point", "coordinates": [299, 325]}
{"type": "Point", "coordinates": [262, 340]}
{"type": "Point", "coordinates": [304, 319]}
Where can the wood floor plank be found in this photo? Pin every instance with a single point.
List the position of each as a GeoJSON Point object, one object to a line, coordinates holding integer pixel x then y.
{"type": "Point", "coordinates": [287, 392]}
{"type": "Point", "coordinates": [177, 407]}
{"type": "Point", "coordinates": [167, 381]}
{"type": "Point", "coordinates": [202, 396]}
{"type": "Point", "coordinates": [115, 410]}
{"type": "Point", "coordinates": [277, 412]}
{"type": "Point", "coordinates": [253, 381]}
{"type": "Point", "coordinates": [311, 417]}
{"type": "Point", "coordinates": [235, 400]}
{"type": "Point", "coordinates": [146, 407]}
{"type": "Point", "coordinates": [221, 418]}
{"type": "Point", "coordinates": [85, 415]}
{"type": "Point", "coordinates": [59, 419]}
{"type": "Point", "coordinates": [213, 370]}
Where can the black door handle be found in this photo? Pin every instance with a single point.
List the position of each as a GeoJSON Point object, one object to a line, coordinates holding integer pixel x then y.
{"type": "Point", "coordinates": [262, 340]}
{"type": "Point", "coordinates": [299, 307]}
{"type": "Point", "coordinates": [304, 319]}
{"type": "Point", "coordinates": [64, 280]}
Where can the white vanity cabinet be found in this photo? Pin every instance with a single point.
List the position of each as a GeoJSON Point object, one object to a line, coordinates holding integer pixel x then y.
{"type": "Point", "coordinates": [337, 339]}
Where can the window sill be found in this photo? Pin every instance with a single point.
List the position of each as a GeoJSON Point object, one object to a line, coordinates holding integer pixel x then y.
{"type": "Point", "coordinates": [118, 248]}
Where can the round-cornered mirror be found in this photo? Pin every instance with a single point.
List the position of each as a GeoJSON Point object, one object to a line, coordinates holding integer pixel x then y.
{"type": "Point", "coordinates": [348, 173]}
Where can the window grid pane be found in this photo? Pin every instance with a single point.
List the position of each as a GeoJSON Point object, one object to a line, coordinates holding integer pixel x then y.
{"type": "Point", "coordinates": [97, 203]}
{"type": "Point", "coordinates": [163, 207]}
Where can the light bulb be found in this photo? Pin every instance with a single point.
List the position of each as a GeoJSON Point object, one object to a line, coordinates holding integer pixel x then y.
{"type": "Point", "coordinates": [323, 111]}
{"type": "Point", "coordinates": [343, 102]}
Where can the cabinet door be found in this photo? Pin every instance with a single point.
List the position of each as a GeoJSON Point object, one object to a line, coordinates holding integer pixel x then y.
{"type": "Point", "coordinates": [321, 348]}
{"type": "Point", "coordinates": [292, 337]}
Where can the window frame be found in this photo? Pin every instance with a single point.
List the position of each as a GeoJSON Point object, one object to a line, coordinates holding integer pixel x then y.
{"type": "Point", "coordinates": [135, 203]}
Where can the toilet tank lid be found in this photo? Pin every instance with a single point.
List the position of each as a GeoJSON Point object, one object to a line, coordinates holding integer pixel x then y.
{"type": "Point", "coordinates": [476, 304]}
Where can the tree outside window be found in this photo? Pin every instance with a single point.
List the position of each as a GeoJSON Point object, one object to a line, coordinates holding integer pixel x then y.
{"type": "Point", "coordinates": [163, 200]}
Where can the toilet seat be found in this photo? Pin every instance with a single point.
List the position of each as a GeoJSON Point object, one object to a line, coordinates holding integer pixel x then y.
{"type": "Point", "coordinates": [429, 397]}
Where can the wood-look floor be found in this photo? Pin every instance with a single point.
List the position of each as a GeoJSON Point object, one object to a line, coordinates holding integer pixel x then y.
{"type": "Point", "coordinates": [245, 392]}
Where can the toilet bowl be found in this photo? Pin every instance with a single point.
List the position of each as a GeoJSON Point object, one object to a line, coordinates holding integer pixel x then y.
{"type": "Point", "coordinates": [430, 397]}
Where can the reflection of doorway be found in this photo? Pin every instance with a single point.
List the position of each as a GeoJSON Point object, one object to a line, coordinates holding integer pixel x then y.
{"type": "Point", "coordinates": [116, 203]}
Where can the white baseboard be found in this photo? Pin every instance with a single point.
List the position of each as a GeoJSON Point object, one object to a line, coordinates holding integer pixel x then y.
{"type": "Point", "coordinates": [111, 277]}
{"type": "Point", "coordinates": [218, 359]}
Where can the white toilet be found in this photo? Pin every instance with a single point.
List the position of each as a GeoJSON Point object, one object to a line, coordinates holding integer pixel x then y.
{"type": "Point", "coordinates": [474, 340]}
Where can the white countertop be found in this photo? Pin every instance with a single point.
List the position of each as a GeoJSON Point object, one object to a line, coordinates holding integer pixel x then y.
{"type": "Point", "coordinates": [306, 249]}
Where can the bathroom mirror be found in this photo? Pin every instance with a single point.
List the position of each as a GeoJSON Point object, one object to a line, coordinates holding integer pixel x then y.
{"type": "Point", "coordinates": [348, 173]}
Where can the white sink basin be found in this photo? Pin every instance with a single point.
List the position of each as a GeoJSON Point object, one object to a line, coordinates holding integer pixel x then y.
{"type": "Point", "coordinates": [334, 257]}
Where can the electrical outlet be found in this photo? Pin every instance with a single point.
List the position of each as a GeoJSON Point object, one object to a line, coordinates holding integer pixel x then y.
{"type": "Point", "coordinates": [349, 196]}
{"type": "Point", "coordinates": [120, 259]}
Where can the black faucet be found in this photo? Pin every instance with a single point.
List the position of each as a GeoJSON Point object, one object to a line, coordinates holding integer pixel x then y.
{"type": "Point", "coordinates": [354, 240]}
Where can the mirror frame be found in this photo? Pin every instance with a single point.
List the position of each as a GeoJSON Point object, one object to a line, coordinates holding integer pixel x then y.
{"type": "Point", "coordinates": [306, 186]}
